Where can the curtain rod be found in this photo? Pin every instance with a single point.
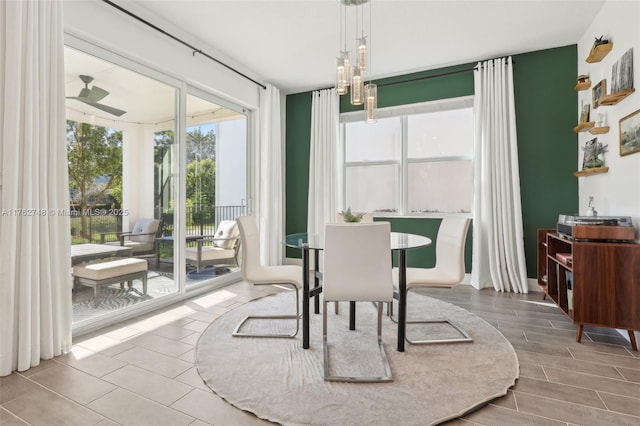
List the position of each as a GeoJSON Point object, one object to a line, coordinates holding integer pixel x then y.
{"type": "Point", "coordinates": [194, 49]}
{"type": "Point", "coordinates": [427, 77]}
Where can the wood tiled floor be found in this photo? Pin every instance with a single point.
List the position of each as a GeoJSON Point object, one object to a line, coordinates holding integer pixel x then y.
{"type": "Point", "coordinates": [141, 372]}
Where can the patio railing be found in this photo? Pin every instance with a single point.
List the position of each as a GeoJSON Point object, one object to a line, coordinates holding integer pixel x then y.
{"type": "Point", "coordinates": [200, 220]}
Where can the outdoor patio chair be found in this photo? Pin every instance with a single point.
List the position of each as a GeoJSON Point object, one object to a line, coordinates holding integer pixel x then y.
{"type": "Point", "coordinates": [222, 248]}
{"type": "Point", "coordinates": [141, 238]}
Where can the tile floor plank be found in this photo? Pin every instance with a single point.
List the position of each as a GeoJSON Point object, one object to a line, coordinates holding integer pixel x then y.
{"type": "Point", "coordinates": [147, 364]}
{"type": "Point", "coordinates": [129, 409]}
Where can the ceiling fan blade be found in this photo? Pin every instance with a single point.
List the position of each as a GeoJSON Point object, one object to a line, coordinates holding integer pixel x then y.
{"type": "Point", "coordinates": [93, 95]}
{"type": "Point", "coordinates": [83, 95]}
{"type": "Point", "coordinates": [111, 110]}
{"type": "Point", "coordinates": [96, 94]}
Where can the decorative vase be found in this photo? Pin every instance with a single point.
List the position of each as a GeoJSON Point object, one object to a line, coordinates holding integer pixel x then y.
{"type": "Point", "coordinates": [593, 163]}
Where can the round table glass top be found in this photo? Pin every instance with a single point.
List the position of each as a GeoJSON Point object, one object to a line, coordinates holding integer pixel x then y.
{"type": "Point", "coordinates": [399, 241]}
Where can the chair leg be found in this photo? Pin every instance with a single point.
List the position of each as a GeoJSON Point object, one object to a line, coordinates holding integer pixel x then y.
{"type": "Point", "coordinates": [387, 377]}
{"type": "Point", "coordinates": [238, 333]}
{"type": "Point", "coordinates": [465, 337]}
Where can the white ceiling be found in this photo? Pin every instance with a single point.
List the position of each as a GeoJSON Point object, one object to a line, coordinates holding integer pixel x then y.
{"type": "Point", "coordinates": [293, 44]}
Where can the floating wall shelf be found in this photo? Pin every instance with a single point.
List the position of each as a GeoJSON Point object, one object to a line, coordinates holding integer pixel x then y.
{"type": "Point", "coordinates": [614, 98]}
{"type": "Point", "coordinates": [599, 130]}
{"type": "Point", "coordinates": [583, 127]}
{"type": "Point", "coordinates": [599, 52]}
{"type": "Point", "coordinates": [582, 86]}
{"type": "Point", "coordinates": [593, 171]}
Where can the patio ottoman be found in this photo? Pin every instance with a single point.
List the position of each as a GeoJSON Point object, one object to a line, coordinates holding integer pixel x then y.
{"type": "Point", "coordinates": [109, 271]}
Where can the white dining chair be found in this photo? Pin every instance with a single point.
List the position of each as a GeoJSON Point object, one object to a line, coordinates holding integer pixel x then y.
{"type": "Point", "coordinates": [357, 268]}
{"type": "Point", "coordinates": [257, 274]}
{"type": "Point", "coordinates": [448, 272]}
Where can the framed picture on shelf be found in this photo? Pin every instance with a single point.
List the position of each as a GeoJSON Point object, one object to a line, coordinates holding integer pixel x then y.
{"type": "Point", "coordinates": [630, 133]}
{"type": "Point", "coordinates": [598, 91]}
{"type": "Point", "coordinates": [584, 114]}
{"type": "Point", "coordinates": [622, 73]}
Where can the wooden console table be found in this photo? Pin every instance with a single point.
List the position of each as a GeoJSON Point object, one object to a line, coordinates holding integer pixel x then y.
{"type": "Point", "coordinates": [594, 283]}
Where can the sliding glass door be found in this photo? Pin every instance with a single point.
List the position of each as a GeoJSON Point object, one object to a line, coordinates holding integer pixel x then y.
{"type": "Point", "coordinates": [156, 170]}
{"type": "Point", "coordinates": [216, 186]}
{"type": "Point", "coordinates": [121, 145]}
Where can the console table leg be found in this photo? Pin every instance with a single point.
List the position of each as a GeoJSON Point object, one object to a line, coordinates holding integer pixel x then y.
{"type": "Point", "coordinates": [632, 337]}
{"type": "Point", "coordinates": [579, 333]}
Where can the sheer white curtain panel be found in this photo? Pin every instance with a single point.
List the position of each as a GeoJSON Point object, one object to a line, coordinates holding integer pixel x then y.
{"type": "Point", "coordinates": [324, 161]}
{"type": "Point", "coordinates": [498, 243]}
{"type": "Point", "coordinates": [35, 266]}
{"type": "Point", "coordinates": [269, 177]}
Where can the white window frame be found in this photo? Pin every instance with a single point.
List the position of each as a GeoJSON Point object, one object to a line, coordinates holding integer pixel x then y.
{"type": "Point", "coordinates": [403, 111]}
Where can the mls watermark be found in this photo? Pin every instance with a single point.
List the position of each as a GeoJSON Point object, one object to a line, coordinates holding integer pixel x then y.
{"type": "Point", "coordinates": [64, 212]}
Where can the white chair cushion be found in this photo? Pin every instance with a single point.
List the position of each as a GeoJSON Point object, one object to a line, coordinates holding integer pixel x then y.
{"type": "Point", "coordinates": [109, 268]}
{"type": "Point", "coordinates": [357, 262]}
{"type": "Point", "coordinates": [252, 270]}
{"type": "Point", "coordinates": [145, 226]}
{"type": "Point", "coordinates": [226, 229]}
{"type": "Point", "coordinates": [209, 253]}
{"type": "Point", "coordinates": [427, 277]}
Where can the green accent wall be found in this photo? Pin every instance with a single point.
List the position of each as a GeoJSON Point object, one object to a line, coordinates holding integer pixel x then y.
{"type": "Point", "coordinates": [546, 113]}
{"type": "Point", "coordinates": [297, 146]}
{"type": "Point", "coordinates": [547, 146]}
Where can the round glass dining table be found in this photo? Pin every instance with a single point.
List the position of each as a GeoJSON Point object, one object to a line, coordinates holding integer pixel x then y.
{"type": "Point", "coordinates": [400, 242]}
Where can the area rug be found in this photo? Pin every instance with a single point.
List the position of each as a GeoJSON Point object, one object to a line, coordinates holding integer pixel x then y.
{"type": "Point", "coordinates": [277, 380]}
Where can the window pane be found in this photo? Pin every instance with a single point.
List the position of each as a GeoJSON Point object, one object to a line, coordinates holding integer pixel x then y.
{"type": "Point", "coordinates": [216, 152]}
{"type": "Point", "coordinates": [372, 188]}
{"type": "Point", "coordinates": [441, 186]}
{"type": "Point", "coordinates": [441, 134]}
{"type": "Point", "coordinates": [124, 148]}
{"type": "Point", "coordinates": [373, 141]}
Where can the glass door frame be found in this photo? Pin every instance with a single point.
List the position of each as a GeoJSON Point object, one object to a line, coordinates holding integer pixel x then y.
{"type": "Point", "coordinates": [178, 169]}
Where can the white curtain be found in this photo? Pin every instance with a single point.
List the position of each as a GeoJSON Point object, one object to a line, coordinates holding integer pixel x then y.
{"type": "Point", "coordinates": [324, 161]}
{"type": "Point", "coordinates": [498, 245]}
{"type": "Point", "coordinates": [269, 179]}
{"type": "Point", "coordinates": [35, 271]}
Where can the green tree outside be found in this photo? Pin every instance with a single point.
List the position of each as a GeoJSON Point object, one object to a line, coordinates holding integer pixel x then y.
{"type": "Point", "coordinates": [94, 154]}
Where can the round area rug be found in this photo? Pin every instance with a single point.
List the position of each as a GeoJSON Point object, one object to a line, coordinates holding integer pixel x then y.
{"type": "Point", "coordinates": [279, 381]}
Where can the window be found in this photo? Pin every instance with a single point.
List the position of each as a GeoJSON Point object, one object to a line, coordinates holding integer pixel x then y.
{"type": "Point", "coordinates": [415, 159]}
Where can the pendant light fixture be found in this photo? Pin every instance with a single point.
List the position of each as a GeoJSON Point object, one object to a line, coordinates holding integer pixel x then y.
{"type": "Point", "coordinates": [352, 74]}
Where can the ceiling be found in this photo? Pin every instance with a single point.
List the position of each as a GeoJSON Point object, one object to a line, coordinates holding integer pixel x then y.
{"type": "Point", "coordinates": [293, 44]}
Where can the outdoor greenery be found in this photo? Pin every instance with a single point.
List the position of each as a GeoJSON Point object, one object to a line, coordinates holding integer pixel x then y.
{"type": "Point", "coordinates": [95, 176]}
{"type": "Point", "coordinates": [94, 154]}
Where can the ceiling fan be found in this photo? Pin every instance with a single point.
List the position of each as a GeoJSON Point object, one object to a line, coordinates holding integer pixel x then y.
{"type": "Point", "coordinates": [93, 95]}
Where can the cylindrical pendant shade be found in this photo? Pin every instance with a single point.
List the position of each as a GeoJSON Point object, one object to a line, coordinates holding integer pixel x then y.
{"type": "Point", "coordinates": [371, 102]}
{"type": "Point", "coordinates": [362, 53]}
{"type": "Point", "coordinates": [341, 77]}
{"type": "Point", "coordinates": [346, 58]}
{"type": "Point", "coordinates": [357, 87]}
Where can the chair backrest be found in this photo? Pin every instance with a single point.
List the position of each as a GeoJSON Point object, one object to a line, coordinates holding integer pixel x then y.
{"type": "Point", "coordinates": [450, 243]}
{"type": "Point", "coordinates": [144, 230]}
{"type": "Point", "coordinates": [226, 229]}
{"type": "Point", "coordinates": [250, 267]}
{"type": "Point", "coordinates": [357, 262]}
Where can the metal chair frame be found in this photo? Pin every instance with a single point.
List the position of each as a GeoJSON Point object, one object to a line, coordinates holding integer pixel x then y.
{"type": "Point", "coordinates": [238, 333]}
{"type": "Point", "coordinates": [387, 377]}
